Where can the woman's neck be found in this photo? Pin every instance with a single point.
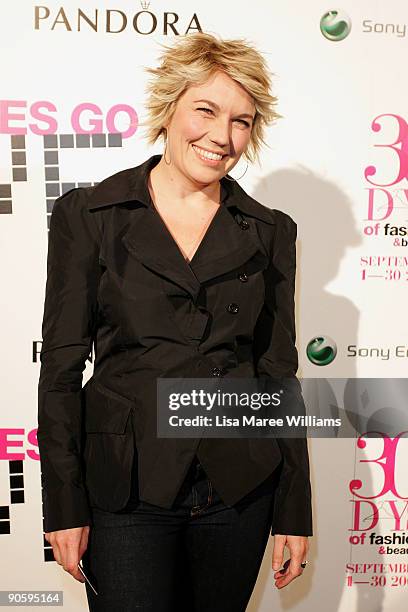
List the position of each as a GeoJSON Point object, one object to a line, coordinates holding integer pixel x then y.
{"type": "Point", "coordinates": [167, 181]}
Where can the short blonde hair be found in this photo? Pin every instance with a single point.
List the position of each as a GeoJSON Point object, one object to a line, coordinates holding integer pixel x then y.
{"type": "Point", "coordinates": [192, 61]}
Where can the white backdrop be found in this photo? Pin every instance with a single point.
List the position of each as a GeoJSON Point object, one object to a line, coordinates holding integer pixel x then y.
{"type": "Point", "coordinates": [344, 105]}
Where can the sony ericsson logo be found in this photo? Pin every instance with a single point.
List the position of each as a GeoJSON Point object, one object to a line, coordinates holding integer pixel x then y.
{"type": "Point", "coordinates": [335, 25]}
{"type": "Point", "coordinates": [321, 350]}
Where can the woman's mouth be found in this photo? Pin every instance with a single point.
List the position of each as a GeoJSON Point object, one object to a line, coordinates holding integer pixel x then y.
{"type": "Point", "coordinates": [207, 157]}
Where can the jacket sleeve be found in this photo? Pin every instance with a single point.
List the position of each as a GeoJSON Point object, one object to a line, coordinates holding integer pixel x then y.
{"type": "Point", "coordinates": [292, 514]}
{"type": "Point", "coordinates": [67, 335]}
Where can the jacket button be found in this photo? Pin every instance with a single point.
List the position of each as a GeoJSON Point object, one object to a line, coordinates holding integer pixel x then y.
{"type": "Point", "coordinates": [216, 371]}
{"type": "Point", "coordinates": [244, 224]}
{"type": "Point", "coordinates": [243, 277]}
{"type": "Point", "coordinates": [233, 308]}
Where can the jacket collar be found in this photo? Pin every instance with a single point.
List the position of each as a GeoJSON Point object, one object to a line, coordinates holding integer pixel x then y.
{"type": "Point", "coordinates": [224, 248]}
{"type": "Point", "coordinates": [132, 184]}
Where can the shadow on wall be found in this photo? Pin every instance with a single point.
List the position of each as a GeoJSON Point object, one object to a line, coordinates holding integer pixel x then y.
{"type": "Point", "coordinates": [326, 229]}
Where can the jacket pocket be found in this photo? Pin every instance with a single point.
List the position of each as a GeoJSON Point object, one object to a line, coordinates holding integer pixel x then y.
{"type": "Point", "coordinates": [106, 411]}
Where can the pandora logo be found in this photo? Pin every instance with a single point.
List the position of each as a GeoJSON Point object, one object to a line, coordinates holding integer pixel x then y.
{"type": "Point", "coordinates": [113, 21]}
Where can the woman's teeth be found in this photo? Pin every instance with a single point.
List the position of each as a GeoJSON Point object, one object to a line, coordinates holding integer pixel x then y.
{"type": "Point", "coordinates": [206, 155]}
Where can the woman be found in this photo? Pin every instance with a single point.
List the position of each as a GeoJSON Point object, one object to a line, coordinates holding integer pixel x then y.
{"type": "Point", "coordinates": [172, 270]}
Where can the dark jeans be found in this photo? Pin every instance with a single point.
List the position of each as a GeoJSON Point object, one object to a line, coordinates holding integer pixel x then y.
{"type": "Point", "coordinates": [199, 556]}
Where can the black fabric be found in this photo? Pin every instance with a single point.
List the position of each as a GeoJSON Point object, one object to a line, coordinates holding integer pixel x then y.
{"type": "Point", "coordinates": [117, 281]}
{"type": "Point", "coordinates": [198, 556]}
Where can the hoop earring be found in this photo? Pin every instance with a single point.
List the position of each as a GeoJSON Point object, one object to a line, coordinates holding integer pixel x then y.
{"type": "Point", "coordinates": [233, 179]}
{"type": "Point", "coordinates": [165, 150]}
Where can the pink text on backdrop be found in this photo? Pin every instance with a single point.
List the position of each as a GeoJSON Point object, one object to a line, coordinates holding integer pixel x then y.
{"type": "Point", "coordinates": [17, 117]}
{"type": "Point", "coordinates": [381, 201]}
{"type": "Point", "coordinates": [366, 512]}
{"type": "Point", "coordinates": [14, 448]}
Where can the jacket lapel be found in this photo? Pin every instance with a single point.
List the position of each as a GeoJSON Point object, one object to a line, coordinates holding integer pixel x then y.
{"type": "Point", "coordinates": [231, 239]}
{"type": "Point", "coordinates": [225, 247]}
{"type": "Point", "coordinates": [150, 242]}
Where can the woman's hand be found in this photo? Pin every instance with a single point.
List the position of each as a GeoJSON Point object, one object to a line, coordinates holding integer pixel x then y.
{"type": "Point", "coordinates": [68, 546]}
{"type": "Point", "coordinates": [298, 548]}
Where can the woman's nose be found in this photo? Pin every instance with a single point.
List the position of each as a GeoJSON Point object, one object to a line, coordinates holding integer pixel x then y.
{"type": "Point", "coordinates": [220, 133]}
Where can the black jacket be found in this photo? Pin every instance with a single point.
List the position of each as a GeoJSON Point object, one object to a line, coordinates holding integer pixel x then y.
{"type": "Point", "coordinates": [116, 280]}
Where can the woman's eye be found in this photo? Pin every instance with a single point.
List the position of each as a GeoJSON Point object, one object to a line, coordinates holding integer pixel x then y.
{"type": "Point", "coordinates": [209, 110]}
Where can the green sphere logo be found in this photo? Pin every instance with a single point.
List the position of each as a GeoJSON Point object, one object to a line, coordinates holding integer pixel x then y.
{"type": "Point", "coordinates": [335, 25]}
{"type": "Point", "coordinates": [321, 350]}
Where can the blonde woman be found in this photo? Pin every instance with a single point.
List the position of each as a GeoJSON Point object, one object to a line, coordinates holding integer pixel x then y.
{"type": "Point", "coordinates": [172, 270]}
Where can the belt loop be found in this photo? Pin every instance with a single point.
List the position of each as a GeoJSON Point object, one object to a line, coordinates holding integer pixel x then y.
{"type": "Point", "coordinates": [209, 491]}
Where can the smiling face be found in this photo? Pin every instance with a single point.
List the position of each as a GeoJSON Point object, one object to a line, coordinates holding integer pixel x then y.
{"type": "Point", "coordinates": [210, 129]}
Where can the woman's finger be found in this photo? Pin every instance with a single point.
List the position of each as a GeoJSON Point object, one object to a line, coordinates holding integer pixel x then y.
{"type": "Point", "coordinates": [278, 551]}
{"type": "Point", "coordinates": [71, 559]}
{"type": "Point", "coordinates": [57, 551]}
